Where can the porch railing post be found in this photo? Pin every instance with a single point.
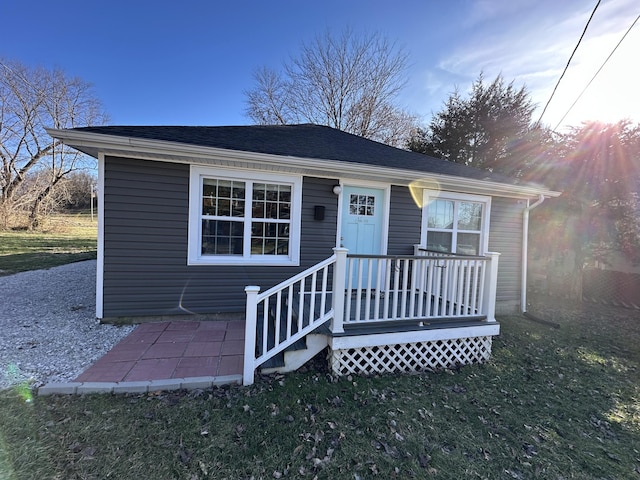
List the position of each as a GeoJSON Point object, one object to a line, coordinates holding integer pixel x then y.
{"type": "Point", "coordinates": [249, 367]}
{"type": "Point", "coordinates": [339, 278]}
{"type": "Point", "coordinates": [491, 286]}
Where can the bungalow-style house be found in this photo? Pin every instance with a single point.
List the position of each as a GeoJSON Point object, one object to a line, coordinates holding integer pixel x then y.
{"type": "Point", "coordinates": [392, 259]}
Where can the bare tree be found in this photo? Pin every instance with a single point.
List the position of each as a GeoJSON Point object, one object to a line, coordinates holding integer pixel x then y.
{"type": "Point", "coordinates": [76, 190]}
{"type": "Point", "coordinates": [30, 100]}
{"type": "Point", "coordinates": [346, 82]}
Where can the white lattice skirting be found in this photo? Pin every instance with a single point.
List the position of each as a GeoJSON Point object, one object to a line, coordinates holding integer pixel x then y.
{"type": "Point", "coordinates": [410, 357]}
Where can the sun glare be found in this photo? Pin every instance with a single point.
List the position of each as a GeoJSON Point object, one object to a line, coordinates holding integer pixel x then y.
{"type": "Point", "coordinates": [613, 94]}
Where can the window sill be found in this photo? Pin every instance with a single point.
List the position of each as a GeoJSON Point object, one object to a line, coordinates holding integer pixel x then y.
{"type": "Point", "coordinates": [257, 262]}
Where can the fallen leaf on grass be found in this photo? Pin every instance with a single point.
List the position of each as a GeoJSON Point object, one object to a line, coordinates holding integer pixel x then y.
{"type": "Point", "coordinates": [311, 454]}
{"type": "Point", "coordinates": [424, 460]}
{"type": "Point", "coordinates": [529, 450]}
{"type": "Point", "coordinates": [185, 456]}
{"type": "Point", "coordinates": [88, 452]}
{"type": "Point", "coordinates": [458, 389]}
{"type": "Point", "coordinates": [318, 463]}
{"type": "Point", "coordinates": [391, 451]}
{"type": "Point", "coordinates": [613, 457]}
{"type": "Point", "coordinates": [75, 447]}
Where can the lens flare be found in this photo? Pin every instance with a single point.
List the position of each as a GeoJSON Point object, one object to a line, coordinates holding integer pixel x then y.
{"type": "Point", "coordinates": [21, 386]}
{"type": "Point", "coordinates": [418, 186]}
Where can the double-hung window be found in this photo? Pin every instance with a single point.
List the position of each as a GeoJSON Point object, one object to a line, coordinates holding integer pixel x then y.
{"type": "Point", "coordinates": [242, 218]}
{"type": "Point", "coordinates": [455, 223]}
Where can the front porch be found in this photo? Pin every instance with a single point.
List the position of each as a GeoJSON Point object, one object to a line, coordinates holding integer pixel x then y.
{"type": "Point", "coordinates": [393, 314]}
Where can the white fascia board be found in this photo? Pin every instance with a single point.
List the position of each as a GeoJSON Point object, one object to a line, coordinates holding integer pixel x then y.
{"type": "Point", "coordinates": [162, 150]}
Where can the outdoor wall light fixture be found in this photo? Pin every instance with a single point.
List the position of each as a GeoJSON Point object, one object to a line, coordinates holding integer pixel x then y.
{"type": "Point", "coordinates": [337, 189]}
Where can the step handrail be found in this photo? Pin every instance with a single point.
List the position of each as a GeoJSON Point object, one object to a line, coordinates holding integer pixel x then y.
{"type": "Point", "coordinates": [283, 298]}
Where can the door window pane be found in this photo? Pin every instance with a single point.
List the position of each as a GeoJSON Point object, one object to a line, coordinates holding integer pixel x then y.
{"type": "Point", "coordinates": [362, 205]}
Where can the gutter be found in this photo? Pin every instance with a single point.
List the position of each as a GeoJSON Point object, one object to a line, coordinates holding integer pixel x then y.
{"type": "Point", "coordinates": [525, 249]}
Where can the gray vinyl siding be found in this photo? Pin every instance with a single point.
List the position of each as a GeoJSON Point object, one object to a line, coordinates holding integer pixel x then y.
{"type": "Point", "coordinates": [146, 234]}
{"type": "Point", "coordinates": [404, 222]}
{"type": "Point", "coordinates": [145, 237]}
{"type": "Point", "coordinates": [505, 237]}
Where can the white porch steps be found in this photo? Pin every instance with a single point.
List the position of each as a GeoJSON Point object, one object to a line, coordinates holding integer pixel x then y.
{"type": "Point", "coordinates": [294, 359]}
{"type": "Point", "coordinates": [383, 349]}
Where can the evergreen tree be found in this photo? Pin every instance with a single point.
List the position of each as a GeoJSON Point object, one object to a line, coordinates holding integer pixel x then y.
{"type": "Point", "coordinates": [491, 129]}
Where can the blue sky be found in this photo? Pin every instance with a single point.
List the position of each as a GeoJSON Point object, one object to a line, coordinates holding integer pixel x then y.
{"type": "Point", "coordinates": [189, 62]}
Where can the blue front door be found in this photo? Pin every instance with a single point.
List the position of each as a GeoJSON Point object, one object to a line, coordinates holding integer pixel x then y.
{"type": "Point", "coordinates": [362, 221]}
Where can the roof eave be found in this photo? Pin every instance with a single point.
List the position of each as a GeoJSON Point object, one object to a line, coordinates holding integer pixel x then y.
{"type": "Point", "coordinates": [94, 143]}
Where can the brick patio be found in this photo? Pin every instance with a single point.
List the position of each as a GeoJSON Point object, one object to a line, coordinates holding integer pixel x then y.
{"type": "Point", "coordinates": [167, 350]}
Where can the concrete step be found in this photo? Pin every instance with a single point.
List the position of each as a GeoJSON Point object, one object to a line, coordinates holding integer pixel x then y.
{"type": "Point", "coordinates": [291, 360]}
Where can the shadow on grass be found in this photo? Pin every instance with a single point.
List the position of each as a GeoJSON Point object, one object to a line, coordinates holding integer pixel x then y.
{"type": "Point", "coordinates": [22, 262]}
{"type": "Point", "coordinates": [569, 390]}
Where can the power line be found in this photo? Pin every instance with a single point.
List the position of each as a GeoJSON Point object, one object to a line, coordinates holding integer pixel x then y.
{"type": "Point", "coordinates": [596, 74]}
{"type": "Point", "coordinates": [570, 58]}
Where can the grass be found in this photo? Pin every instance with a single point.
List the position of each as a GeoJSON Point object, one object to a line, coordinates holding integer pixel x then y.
{"type": "Point", "coordinates": [64, 239]}
{"type": "Point", "coordinates": [553, 403]}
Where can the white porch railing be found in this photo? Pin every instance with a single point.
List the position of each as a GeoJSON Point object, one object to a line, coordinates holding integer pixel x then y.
{"type": "Point", "coordinates": [424, 286]}
{"type": "Point", "coordinates": [284, 314]}
{"type": "Point", "coordinates": [365, 289]}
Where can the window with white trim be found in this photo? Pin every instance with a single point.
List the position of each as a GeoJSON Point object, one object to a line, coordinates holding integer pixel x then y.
{"type": "Point", "coordinates": [243, 218]}
{"type": "Point", "coordinates": [455, 223]}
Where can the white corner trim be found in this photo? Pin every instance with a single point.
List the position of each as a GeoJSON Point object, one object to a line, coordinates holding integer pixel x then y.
{"type": "Point", "coordinates": [100, 252]}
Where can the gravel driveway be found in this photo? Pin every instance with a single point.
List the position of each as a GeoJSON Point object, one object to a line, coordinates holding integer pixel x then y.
{"type": "Point", "coordinates": [48, 329]}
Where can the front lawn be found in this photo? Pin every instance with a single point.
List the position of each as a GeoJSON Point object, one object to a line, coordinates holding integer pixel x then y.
{"type": "Point", "coordinates": [553, 403]}
{"type": "Point", "coordinates": [63, 239]}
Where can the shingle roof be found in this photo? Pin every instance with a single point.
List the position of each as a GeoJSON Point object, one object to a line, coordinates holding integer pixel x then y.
{"type": "Point", "coordinates": [306, 141]}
